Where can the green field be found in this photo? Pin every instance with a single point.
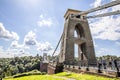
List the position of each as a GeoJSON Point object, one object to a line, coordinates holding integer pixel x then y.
{"type": "Point", "coordinates": [36, 77]}
{"type": "Point", "coordinates": [80, 76]}
{"type": "Point", "coordinates": [63, 76]}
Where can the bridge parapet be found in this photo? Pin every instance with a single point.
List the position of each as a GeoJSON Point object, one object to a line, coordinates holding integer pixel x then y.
{"type": "Point", "coordinates": [92, 70]}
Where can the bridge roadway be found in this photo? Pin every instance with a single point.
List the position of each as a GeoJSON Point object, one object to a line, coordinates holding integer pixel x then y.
{"type": "Point", "coordinates": [55, 68]}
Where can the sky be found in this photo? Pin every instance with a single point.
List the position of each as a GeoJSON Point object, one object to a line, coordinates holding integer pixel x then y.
{"type": "Point", "coordinates": [30, 27]}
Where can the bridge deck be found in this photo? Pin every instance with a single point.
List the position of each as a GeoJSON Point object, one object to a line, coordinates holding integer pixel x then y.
{"type": "Point", "coordinates": [56, 68]}
{"type": "Point", "coordinates": [92, 70]}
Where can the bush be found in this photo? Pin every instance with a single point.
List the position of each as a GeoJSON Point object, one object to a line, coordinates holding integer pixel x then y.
{"type": "Point", "coordinates": [43, 73]}
{"type": "Point", "coordinates": [34, 72]}
{"type": "Point", "coordinates": [19, 75]}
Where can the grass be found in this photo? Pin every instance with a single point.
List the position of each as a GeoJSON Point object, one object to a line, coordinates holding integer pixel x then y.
{"type": "Point", "coordinates": [77, 76]}
{"type": "Point", "coordinates": [63, 76]}
{"type": "Point", "coordinates": [36, 77]}
{"type": "Point", "coordinates": [33, 75]}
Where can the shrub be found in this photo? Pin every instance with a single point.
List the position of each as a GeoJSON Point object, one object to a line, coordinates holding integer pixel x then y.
{"type": "Point", "coordinates": [43, 73]}
{"type": "Point", "coordinates": [34, 72]}
{"type": "Point", "coordinates": [19, 75]}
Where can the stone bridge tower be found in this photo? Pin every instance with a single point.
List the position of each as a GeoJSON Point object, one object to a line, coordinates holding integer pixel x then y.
{"type": "Point", "coordinates": [86, 54]}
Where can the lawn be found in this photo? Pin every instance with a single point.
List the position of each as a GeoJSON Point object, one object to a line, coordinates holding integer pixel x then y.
{"type": "Point", "coordinates": [80, 76]}
{"type": "Point", "coordinates": [63, 76]}
{"type": "Point", "coordinates": [36, 77]}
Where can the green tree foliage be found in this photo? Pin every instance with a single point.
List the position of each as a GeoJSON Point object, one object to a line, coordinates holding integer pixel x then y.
{"type": "Point", "coordinates": [108, 57]}
{"type": "Point", "coordinates": [12, 66]}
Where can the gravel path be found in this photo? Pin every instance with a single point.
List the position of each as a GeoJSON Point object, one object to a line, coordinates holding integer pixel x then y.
{"type": "Point", "coordinates": [64, 78]}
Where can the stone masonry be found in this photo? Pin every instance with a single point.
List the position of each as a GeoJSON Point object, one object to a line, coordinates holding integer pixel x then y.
{"type": "Point", "coordinates": [86, 54]}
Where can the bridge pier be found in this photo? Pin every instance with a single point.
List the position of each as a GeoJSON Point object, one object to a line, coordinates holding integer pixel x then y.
{"type": "Point", "coordinates": [51, 69]}
{"type": "Point", "coordinates": [55, 68]}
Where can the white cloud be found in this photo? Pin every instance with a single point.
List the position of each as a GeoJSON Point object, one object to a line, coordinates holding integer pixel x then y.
{"type": "Point", "coordinates": [30, 38]}
{"type": "Point", "coordinates": [10, 53]}
{"type": "Point", "coordinates": [55, 54]}
{"type": "Point", "coordinates": [15, 36]}
{"type": "Point", "coordinates": [7, 53]}
{"type": "Point", "coordinates": [44, 47]}
{"type": "Point", "coordinates": [100, 52]}
{"type": "Point", "coordinates": [44, 21]}
{"type": "Point", "coordinates": [96, 3]}
{"type": "Point", "coordinates": [105, 51]}
{"type": "Point", "coordinates": [29, 41]}
{"type": "Point", "coordinates": [95, 45]}
{"type": "Point", "coordinates": [22, 53]}
{"type": "Point", "coordinates": [20, 50]}
{"type": "Point", "coordinates": [117, 7]}
{"type": "Point", "coordinates": [118, 43]}
{"type": "Point", "coordinates": [106, 28]}
{"type": "Point", "coordinates": [7, 35]}
{"type": "Point", "coordinates": [1, 49]}
{"type": "Point", "coordinates": [16, 45]}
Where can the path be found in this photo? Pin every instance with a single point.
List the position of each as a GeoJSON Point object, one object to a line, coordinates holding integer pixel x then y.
{"type": "Point", "coordinates": [64, 78]}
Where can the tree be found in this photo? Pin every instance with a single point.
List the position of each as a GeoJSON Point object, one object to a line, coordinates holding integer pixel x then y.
{"type": "Point", "coordinates": [21, 68]}
{"type": "Point", "coordinates": [14, 70]}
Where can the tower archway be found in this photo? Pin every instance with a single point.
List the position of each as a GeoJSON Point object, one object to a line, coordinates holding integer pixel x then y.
{"type": "Point", "coordinates": [80, 47]}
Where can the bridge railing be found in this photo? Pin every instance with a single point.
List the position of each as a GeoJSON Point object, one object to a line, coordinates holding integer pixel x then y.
{"type": "Point", "coordinates": [112, 67]}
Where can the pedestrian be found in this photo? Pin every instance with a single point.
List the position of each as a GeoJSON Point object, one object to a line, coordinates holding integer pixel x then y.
{"type": "Point", "coordinates": [110, 64]}
{"type": "Point", "coordinates": [99, 65]}
{"type": "Point", "coordinates": [104, 63]}
{"type": "Point", "coordinates": [116, 65]}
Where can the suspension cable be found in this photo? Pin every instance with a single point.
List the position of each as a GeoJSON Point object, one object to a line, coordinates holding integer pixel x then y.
{"type": "Point", "coordinates": [105, 14]}
{"type": "Point", "coordinates": [57, 45]}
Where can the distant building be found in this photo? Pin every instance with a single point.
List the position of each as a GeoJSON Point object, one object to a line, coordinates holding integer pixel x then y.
{"type": "Point", "coordinates": [44, 63]}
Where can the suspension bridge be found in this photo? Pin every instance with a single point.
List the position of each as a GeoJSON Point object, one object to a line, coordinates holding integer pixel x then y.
{"type": "Point", "coordinates": [76, 20]}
